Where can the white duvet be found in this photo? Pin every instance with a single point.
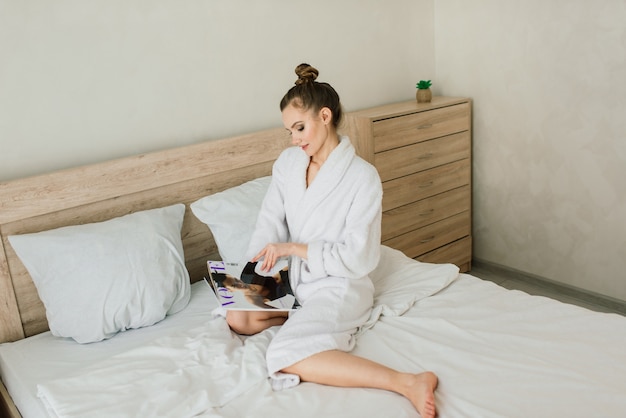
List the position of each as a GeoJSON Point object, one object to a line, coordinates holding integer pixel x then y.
{"type": "Point", "coordinates": [185, 374]}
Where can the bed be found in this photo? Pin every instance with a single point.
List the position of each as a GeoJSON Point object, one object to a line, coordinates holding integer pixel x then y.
{"type": "Point", "coordinates": [497, 352]}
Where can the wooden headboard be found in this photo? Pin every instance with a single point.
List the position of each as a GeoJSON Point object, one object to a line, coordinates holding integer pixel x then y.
{"type": "Point", "coordinates": [110, 189]}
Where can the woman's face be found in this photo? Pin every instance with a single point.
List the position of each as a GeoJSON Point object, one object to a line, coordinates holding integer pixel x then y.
{"type": "Point", "coordinates": [309, 130]}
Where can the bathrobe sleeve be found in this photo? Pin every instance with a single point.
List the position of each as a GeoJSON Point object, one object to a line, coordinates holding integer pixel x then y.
{"type": "Point", "coordinates": [271, 225]}
{"type": "Point", "coordinates": [356, 250]}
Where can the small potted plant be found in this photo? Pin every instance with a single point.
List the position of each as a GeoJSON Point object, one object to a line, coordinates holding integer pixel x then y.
{"type": "Point", "coordinates": [423, 94]}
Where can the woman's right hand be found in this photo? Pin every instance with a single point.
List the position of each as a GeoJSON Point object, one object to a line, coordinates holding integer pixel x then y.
{"type": "Point", "coordinates": [273, 251]}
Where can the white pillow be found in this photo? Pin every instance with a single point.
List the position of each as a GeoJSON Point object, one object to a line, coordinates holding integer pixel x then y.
{"type": "Point", "coordinates": [101, 278]}
{"type": "Point", "coordinates": [231, 216]}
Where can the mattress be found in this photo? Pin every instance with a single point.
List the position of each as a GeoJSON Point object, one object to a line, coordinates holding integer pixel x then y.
{"type": "Point", "coordinates": [497, 352]}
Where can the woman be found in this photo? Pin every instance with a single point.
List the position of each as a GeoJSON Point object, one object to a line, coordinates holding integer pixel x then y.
{"type": "Point", "coordinates": [323, 211]}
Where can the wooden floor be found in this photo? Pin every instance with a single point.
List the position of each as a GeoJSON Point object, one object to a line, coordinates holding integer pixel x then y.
{"type": "Point", "coordinates": [536, 286]}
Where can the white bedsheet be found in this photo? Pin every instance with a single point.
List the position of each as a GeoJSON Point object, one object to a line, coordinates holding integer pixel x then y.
{"type": "Point", "coordinates": [504, 353]}
{"type": "Point", "coordinates": [498, 353]}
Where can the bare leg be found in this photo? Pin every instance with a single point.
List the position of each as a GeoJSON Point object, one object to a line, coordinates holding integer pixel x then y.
{"type": "Point", "coordinates": [337, 368]}
{"type": "Point", "coordinates": [253, 322]}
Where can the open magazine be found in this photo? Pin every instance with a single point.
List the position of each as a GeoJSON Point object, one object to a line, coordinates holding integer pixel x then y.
{"type": "Point", "coordinates": [249, 288]}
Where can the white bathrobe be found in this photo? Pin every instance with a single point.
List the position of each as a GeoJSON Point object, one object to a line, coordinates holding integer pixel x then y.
{"type": "Point", "coordinates": [339, 217]}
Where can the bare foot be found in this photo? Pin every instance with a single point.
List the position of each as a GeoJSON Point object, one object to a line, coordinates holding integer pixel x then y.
{"type": "Point", "coordinates": [421, 393]}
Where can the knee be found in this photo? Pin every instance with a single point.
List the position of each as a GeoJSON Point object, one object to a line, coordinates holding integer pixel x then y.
{"type": "Point", "coordinates": [240, 322]}
{"type": "Point", "coordinates": [253, 322]}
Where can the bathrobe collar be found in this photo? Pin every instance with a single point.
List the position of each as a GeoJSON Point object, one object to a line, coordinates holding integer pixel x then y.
{"type": "Point", "coordinates": [326, 180]}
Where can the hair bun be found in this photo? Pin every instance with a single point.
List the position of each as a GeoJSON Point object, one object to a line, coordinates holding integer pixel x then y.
{"type": "Point", "coordinates": [306, 74]}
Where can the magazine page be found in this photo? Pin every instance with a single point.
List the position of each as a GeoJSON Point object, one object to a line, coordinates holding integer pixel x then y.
{"type": "Point", "coordinates": [248, 288]}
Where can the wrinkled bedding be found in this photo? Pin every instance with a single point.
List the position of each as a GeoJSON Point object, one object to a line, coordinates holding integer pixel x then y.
{"type": "Point", "coordinates": [498, 353]}
{"type": "Point", "coordinates": [193, 372]}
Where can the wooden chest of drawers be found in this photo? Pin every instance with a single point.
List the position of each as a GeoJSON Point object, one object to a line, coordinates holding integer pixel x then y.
{"type": "Point", "coordinates": [423, 154]}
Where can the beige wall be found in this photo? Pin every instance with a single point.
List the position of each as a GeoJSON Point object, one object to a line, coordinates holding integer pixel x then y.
{"type": "Point", "coordinates": [85, 81]}
{"type": "Point", "coordinates": [548, 81]}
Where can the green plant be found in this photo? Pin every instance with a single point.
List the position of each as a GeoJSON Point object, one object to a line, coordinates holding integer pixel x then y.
{"type": "Point", "coordinates": [424, 84]}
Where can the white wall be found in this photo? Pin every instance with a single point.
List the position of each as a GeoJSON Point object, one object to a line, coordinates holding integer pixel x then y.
{"type": "Point", "coordinates": [82, 81]}
{"type": "Point", "coordinates": [548, 83]}
{"type": "Point", "coordinates": [88, 81]}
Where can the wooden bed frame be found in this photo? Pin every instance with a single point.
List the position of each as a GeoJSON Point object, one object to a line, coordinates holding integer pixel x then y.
{"type": "Point", "coordinates": [102, 191]}
{"type": "Point", "coordinates": [110, 189]}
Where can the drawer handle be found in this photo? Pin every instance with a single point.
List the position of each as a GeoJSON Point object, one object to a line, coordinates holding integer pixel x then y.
{"type": "Point", "coordinates": [426, 126]}
{"type": "Point", "coordinates": [427, 213]}
{"type": "Point", "coordinates": [425, 185]}
{"type": "Point", "coordinates": [429, 239]}
{"type": "Point", "coordinates": [425, 156]}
